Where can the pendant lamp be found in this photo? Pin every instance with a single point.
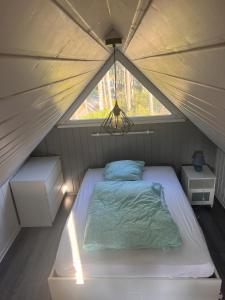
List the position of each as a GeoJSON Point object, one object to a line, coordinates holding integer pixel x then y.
{"type": "Point", "coordinates": [117, 122]}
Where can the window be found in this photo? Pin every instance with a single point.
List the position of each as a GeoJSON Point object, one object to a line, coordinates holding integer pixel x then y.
{"type": "Point", "coordinates": [132, 97]}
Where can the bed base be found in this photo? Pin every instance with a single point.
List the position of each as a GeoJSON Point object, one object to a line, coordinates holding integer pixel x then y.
{"type": "Point", "coordinates": [66, 288]}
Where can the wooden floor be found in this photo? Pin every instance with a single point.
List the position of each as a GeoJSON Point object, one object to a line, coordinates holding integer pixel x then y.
{"type": "Point", "coordinates": [25, 269]}
{"type": "Point", "coordinates": [212, 222]}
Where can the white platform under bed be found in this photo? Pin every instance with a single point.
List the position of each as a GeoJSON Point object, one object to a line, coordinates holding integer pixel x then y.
{"type": "Point", "coordinates": [145, 273]}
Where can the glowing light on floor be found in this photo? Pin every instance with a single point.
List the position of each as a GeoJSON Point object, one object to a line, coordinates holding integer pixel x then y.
{"type": "Point", "coordinates": [64, 188]}
{"type": "Point", "coordinates": [75, 250]}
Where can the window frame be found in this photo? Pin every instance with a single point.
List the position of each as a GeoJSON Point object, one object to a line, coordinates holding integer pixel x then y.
{"type": "Point", "coordinates": [136, 120]}
{"type": "Point", "coordinates": [175, 114]}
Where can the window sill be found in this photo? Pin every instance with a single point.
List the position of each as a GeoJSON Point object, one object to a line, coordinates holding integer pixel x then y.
{"type": "Point", "coordinates": [137, 120]}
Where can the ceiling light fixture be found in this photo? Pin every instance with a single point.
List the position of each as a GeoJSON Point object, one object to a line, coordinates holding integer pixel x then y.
{"type": "Point", "coordinates": [117, 122]}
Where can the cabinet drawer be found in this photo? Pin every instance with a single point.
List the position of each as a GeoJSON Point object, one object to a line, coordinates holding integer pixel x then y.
{"type": "Point", "coordinates": [201, 196]}
{"type": "Point", "coordinates": [201, 184]}
{"type": "Point", "coordinates": [56, 171]}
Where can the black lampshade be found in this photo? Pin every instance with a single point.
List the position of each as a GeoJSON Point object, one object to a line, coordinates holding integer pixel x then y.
{"type": "Point", "coordinates": [117, 122]}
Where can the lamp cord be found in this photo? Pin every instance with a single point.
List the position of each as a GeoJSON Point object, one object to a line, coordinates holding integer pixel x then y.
{"type": "Point", "coordinates": [114, 58]}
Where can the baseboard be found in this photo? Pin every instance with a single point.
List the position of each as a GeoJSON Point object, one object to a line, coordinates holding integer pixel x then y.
{"type": "Point", "coordinates": [9, 244]}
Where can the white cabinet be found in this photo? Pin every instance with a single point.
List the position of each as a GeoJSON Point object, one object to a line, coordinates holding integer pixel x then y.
{"type": "Point", "coordinates": [38, 191]}
{"type": "Point", "coordinates": [199, 186]}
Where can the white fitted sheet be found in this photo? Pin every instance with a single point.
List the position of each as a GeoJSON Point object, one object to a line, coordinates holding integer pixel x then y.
{"type": "Point", "coordinates": [192, 259]}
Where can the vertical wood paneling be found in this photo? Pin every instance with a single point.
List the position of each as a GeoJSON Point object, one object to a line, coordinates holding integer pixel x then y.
{"type": "Point", "coordinates": [171, 144]}
{"type": "Point", "coordinates": [9, 226]}
{"type": "Point", "coordinates": [220, 174]}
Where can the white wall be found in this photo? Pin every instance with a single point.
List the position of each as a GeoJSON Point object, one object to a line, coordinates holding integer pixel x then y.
{"type": "Point", "coordinates": [185, 60]}
{"type": "Point", "coordinates": [9, 227]}
{"type": "Point", "coordinates": [45, 61]}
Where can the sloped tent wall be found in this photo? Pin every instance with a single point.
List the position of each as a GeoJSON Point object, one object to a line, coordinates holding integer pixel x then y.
{"type": "Point", "coordinates": [181, 49]}
{"type": "Point", "coordinates": [184, 56]}
{"type": "Point", "coordinates": [179, 46]}
{"type": "Point", "coordinates": [51, 49]}
{"type": "Point", "coordinates": [45, 61]}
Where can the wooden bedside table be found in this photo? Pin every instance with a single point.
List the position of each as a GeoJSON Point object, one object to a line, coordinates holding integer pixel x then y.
{"type": "Point", "coordinates": [199, 186]}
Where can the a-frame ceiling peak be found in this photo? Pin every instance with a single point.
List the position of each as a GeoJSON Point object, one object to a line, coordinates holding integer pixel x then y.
{"type": "Point", "coordinates": [99, 17]}
{"type": "Point", "coordinates": [51, 49]}
{"type": "Point", "coordinates": [120, 57]}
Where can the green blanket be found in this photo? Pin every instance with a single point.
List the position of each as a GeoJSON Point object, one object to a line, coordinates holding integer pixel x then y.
{"type": "Point", "coordinates": [129, 215]}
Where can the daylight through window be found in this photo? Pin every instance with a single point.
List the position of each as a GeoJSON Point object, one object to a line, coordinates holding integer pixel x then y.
{"type": "Point", "coordinates": [133, 98]}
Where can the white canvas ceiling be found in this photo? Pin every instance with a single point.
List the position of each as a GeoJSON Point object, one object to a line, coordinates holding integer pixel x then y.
{"type": "Point", "coordinates": [51, 49]}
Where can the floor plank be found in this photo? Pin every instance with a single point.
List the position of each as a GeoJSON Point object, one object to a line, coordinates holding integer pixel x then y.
{"type": "Point", "coordinates": [212, 222]}
{"type": "Point", "coordinates": [25, 269]}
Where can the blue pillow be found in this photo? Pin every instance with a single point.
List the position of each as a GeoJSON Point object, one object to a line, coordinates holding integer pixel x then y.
{"type": "Point", "coordinates": [124, 170]}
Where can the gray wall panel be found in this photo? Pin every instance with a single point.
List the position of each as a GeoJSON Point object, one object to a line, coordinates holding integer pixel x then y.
{"type": "Point", "coordinates": [9, 227]}
{"type": "Point", "coordinates": [220, 174]}
{"type": "Point", "coordinates": [171, 144]}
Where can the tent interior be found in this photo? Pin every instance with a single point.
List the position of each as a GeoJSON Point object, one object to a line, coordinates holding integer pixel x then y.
{"type": "Point", "coordinates": [53, 60]}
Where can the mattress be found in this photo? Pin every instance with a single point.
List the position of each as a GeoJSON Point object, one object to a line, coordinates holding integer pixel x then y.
{"type": "Point", "coordinates": [192, 259]}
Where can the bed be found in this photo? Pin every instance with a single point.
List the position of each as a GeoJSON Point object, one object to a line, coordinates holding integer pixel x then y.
{"type": "Point", "coordinates": [183, 273]}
